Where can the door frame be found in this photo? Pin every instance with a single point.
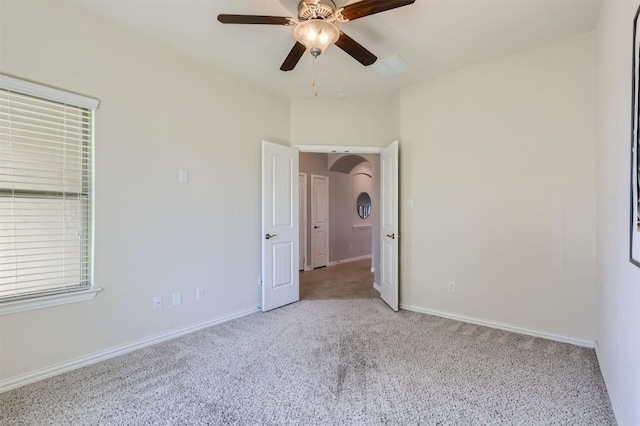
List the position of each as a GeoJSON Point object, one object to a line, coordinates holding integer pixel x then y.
{"type": "Point", "coordinates": [339, 149]}
{"type": "Point", "coordinates": [327, 224]}
{"type": "Point", "coordinates": [304, 219]}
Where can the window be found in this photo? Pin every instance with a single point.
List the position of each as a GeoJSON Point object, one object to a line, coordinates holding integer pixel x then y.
{"type": "Point", "coordinates": [46, 203]}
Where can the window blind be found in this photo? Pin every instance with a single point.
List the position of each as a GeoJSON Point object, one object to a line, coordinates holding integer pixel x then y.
{"type": "Point", "coordinates": [45, 196]}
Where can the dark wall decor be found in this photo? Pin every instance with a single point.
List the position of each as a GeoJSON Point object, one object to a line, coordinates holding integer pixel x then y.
{"type": "Point", "coordinates": [634, 241]}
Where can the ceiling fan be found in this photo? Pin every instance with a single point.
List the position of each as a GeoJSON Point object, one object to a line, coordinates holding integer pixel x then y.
{"type": "Point", "coordinates": [315, 27]}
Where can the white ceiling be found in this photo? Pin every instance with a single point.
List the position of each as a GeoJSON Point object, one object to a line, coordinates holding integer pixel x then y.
{"type": "Point", "coordinates": [432, 36]}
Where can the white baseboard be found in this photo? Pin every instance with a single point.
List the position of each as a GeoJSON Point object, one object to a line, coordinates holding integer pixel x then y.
{"type": "Point", "coordinates": [353, 259]}
{"type": "Point", "coordinates": [503, 326]}
{"type": "Point", "coordinates": [376, 286]}
{"type": "Point", "coordinates": [83, 361]}
{"type": "Point", "coordinates": [308, 268]}
{"type": "Point", "coordinates": [612, 396]}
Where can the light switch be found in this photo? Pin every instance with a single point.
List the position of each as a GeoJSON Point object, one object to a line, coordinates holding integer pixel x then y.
{"type": "Point", "coordinates": [410, 204]}
{"type": "Point", "coordinates": [183, 176]}
{"type": "Point", "coordinates": [176, 298]}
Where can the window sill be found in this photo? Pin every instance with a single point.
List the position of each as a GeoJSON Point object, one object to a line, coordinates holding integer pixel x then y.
{"type": "Point", "coordinates": [47, 301]}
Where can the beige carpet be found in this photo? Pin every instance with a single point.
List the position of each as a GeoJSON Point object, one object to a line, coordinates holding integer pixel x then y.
{"type": "Point", "coordinates": [333, 362]}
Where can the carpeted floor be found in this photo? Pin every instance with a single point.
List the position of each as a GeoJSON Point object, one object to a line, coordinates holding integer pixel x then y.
{"type": "Point", "coordinates": [328, 362]}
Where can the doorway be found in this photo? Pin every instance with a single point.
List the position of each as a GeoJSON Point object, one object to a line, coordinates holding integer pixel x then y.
{"type": "Point", "coordinates": [352, 208]}
{"type": "Point", "coordinates": [279, 279]}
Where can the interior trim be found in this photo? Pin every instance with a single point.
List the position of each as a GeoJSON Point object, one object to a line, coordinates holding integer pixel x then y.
{"type": "Point", "coordinates": [339, 149]}
{"type": "Point", "coordinates": [83, 361]}
{"type": "Point", "coordinates": [610, 392]}
{"type": "Point", "coordinates": [41, 91]}
{"type": "Point", "coordinates": [38, 302]}
{"type": "Point", "coordinates": [503, 326]}
{"type": "Point", "coordinates": [359, 227]}
{"type": "Point", "coordinates": [351, 259]}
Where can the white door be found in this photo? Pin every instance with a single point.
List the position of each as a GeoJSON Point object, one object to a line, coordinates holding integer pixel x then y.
{"type": "Point", "coordinates": [319, 221]}
{"type": "Point", "coordinates": [302, 214]}
{"type": "Point", "coordinates": [280, 278]}
{"type": "Point", "coordinates": [389, 225]}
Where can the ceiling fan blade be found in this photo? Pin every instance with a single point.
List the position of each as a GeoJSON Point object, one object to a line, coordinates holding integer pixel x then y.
{"type": "Point", "coordinates": [356, 50]}
{"type": "Point", "coordinates": [369, 7]}
{"type": "Point", "coordinates": [254, 19]}
{"type": "Point", "coordinates": [294, 56]}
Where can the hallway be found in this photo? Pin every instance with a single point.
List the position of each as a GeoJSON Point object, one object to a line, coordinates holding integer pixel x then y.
{"type": "Point", "coordinates": [353, 280]}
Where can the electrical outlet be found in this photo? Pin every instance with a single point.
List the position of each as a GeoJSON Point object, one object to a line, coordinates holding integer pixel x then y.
{"type": "Point", "coordinates": [452, 287]}
{"type": "Point", "coordinates": [199, 293]}
{"type": "Point", "coordinates": [157, 302]}
{"type": "Point", "coordinates": [350, 247]}
{"type": "Point", "coordinates": [176, 298]}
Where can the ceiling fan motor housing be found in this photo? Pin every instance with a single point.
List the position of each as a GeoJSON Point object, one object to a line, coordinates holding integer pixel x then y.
{"type": "Point", "coordinates": [325, 10]}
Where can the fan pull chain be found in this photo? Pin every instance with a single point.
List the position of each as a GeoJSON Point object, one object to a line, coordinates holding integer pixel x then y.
{"type": "Point", "coordinates": [313, 81]}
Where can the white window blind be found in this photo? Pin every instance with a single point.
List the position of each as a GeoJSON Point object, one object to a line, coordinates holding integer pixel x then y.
{"type": "Point", "coordinates": [45, 192]}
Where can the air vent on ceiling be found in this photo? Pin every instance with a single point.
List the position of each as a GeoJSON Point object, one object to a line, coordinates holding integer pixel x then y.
{"type": "Point", "coordinates": [390, 66]}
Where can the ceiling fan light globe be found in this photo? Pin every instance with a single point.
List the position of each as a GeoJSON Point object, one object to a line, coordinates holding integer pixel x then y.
{"type": "Point", "coordinates": [316, 34]}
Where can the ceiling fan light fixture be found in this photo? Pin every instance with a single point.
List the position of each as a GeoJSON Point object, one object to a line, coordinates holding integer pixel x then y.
{"type": "Point", "coordinates": [315, 30]}
{"type": "Point", "coordinates": [316, 35]}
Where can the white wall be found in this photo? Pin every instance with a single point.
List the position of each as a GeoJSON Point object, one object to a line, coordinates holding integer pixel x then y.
{"type": "Point", "coordinates": [343, 122]}
{"type": "Point", "coordinates": [499, 162]}
{"type": "Point", "coordinates": [618, 280]}
{"type": "Point", "coordinates": [160, 111]}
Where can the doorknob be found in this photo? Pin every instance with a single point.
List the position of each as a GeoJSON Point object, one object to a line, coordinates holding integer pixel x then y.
{"type": "Point", "coordinates": [392, 236]}
{"type": "Point", "coordinates": [269, 236]}
{"type": "Point", "coordinates": [316, 227]}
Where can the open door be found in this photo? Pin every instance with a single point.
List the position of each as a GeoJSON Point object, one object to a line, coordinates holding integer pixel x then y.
{"type": "Point", "coordinates": [389, 274]}
{"type": "Point", "coordinates": [280, 278]}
